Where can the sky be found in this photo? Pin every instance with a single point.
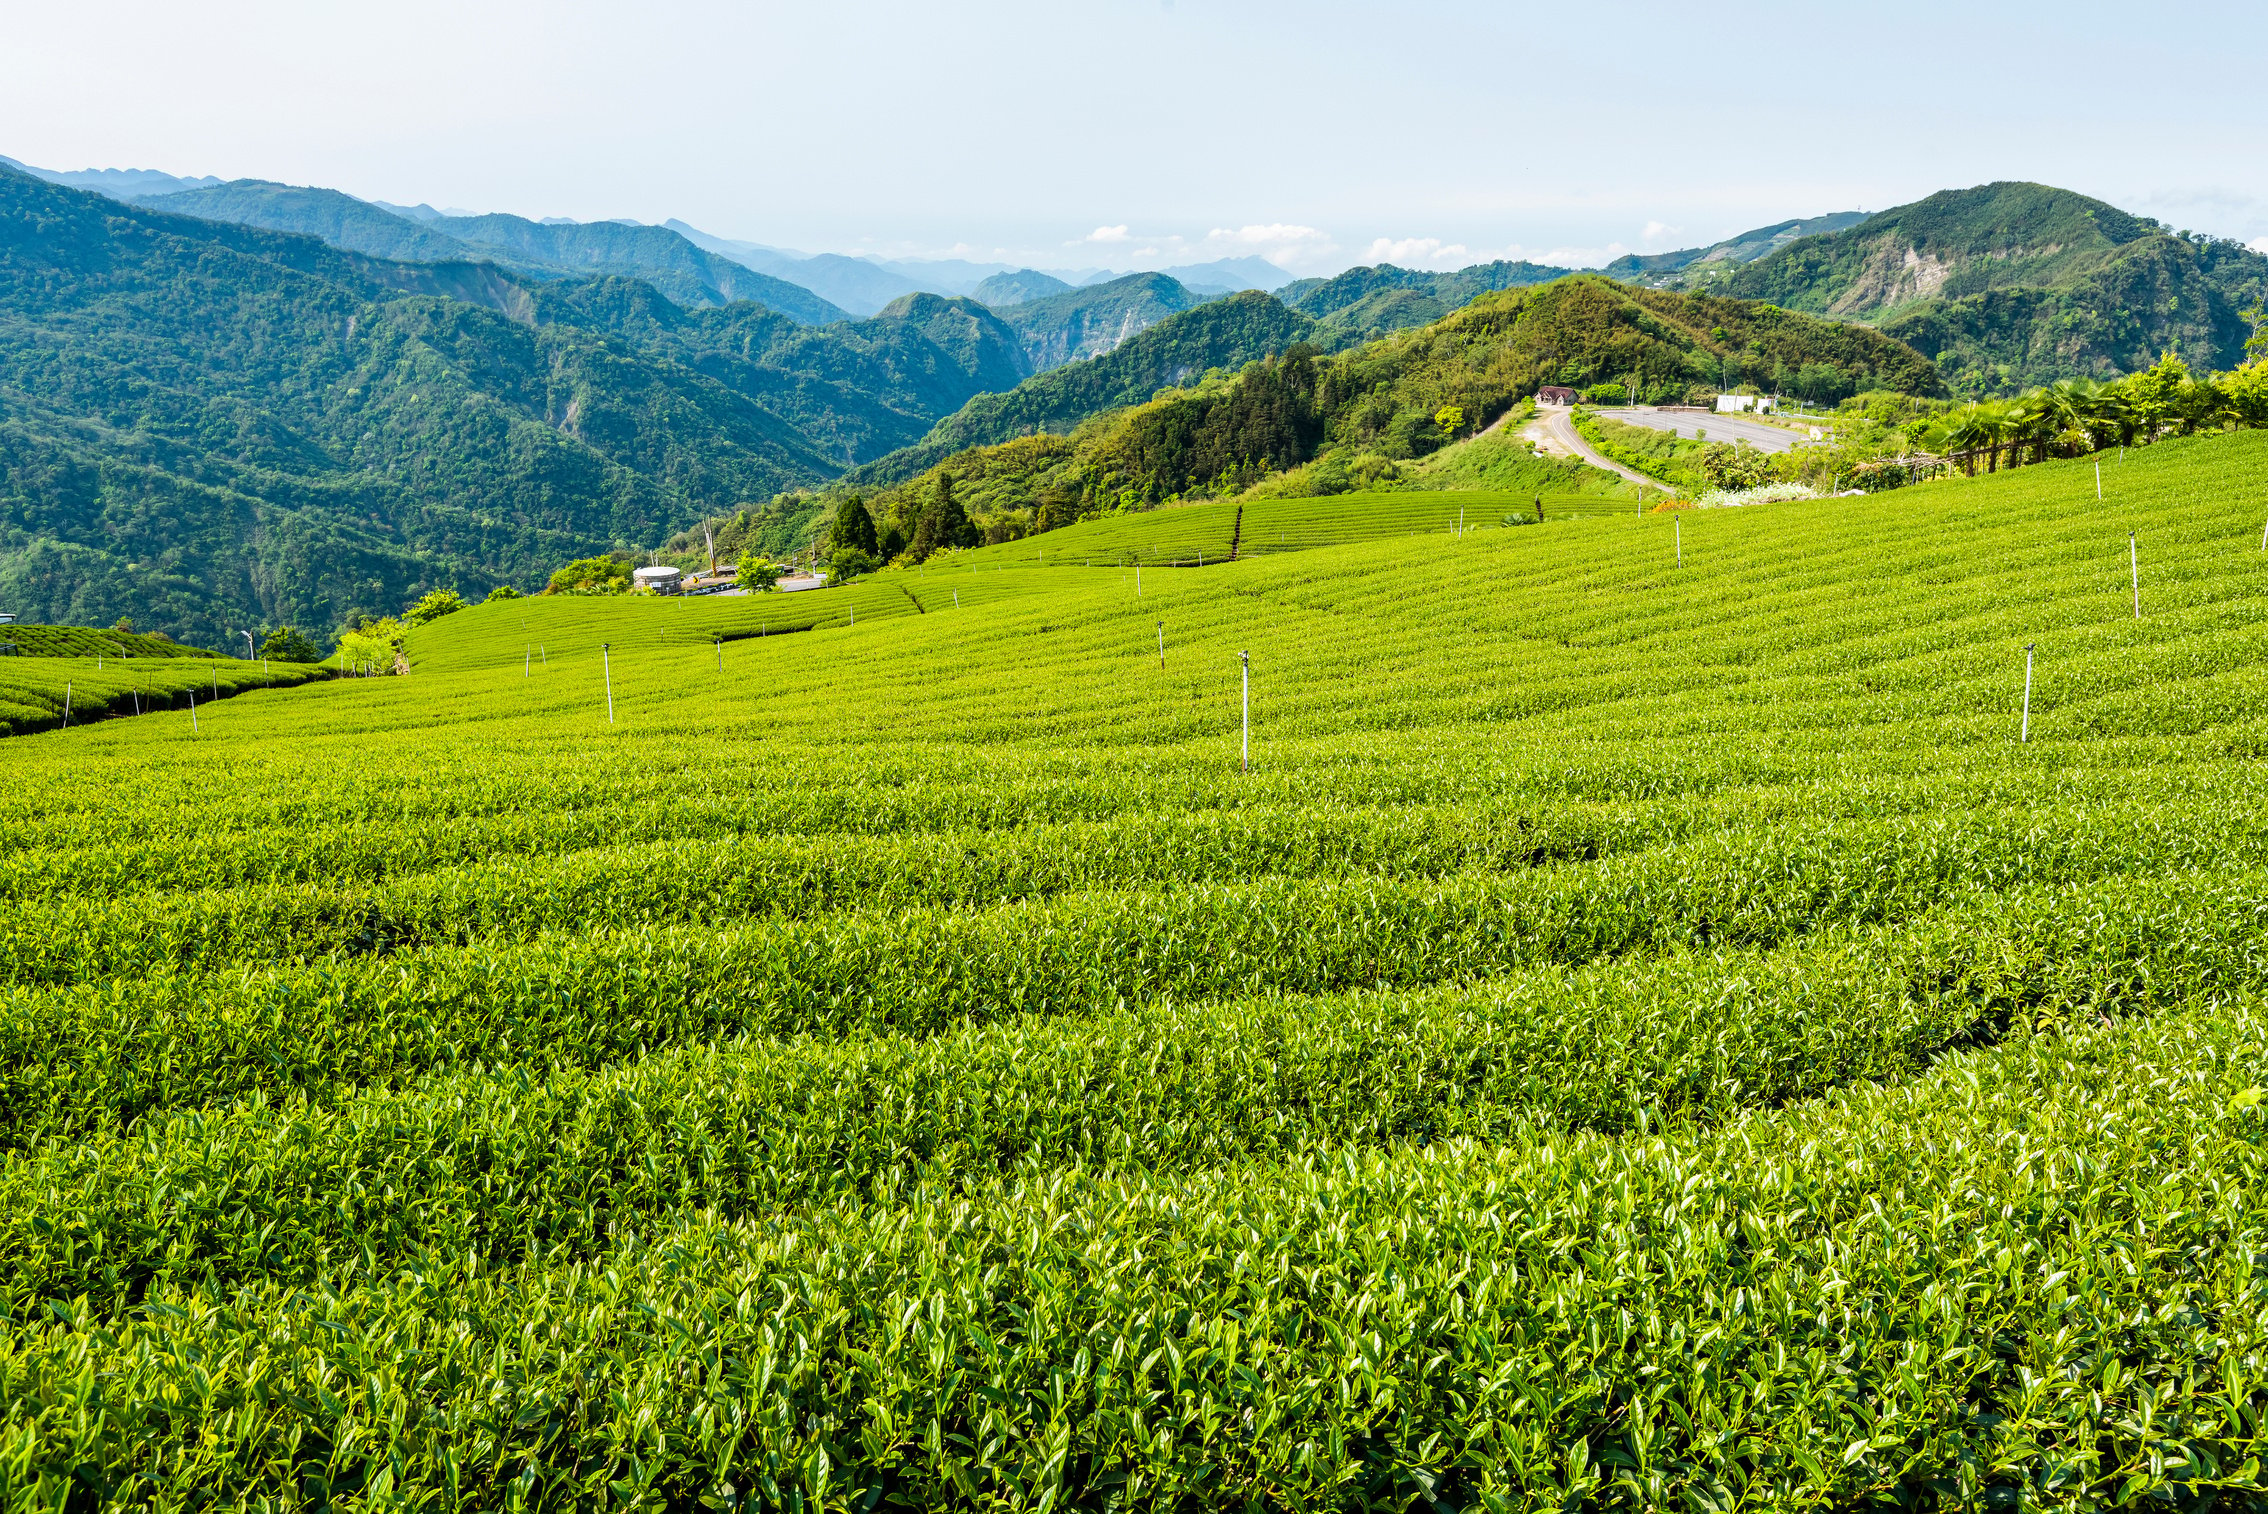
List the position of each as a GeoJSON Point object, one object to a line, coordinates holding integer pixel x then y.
{"type": "Point", "coordinates": [1150, 133]}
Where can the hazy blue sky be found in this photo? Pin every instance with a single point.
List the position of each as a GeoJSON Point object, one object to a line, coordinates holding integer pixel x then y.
{"type": "Point", "coordinates": [1129, 133]}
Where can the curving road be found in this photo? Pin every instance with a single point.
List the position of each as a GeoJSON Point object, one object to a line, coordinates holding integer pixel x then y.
{"type": "Point", "coordinates": [1554, 435]}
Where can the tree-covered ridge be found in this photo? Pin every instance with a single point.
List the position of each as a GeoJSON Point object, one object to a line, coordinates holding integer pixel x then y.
{"type": "Point", "coordinates": [1691, 267]}
{"type": "Point", "coordinates": [1224, 334]}
{"type": "Point", "coordinates": [211, 427]}
{"type": "Point", "coordinates": [2014, 284]}
{"type": "Point", "coordinates": [1305, 421]}
{"type": "Point", "coordinates": [1070, 324]}
{"type": "Point", "coordinates": [687, 274]}
{"type": "Point", "coordinates": [1363, 304]}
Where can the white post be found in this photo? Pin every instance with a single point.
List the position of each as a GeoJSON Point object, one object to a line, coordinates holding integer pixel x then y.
{"type": "Point", "coordinates": [2026, 734]}
{"type": "Point", "coordinates": [1138, 566]}
{"type": "Point", "coordinates": [527, 662]}
{"type": "Point", "coordinates": [607, 659]}
{"type": "Point", "coordinates": [1161, 646]}
{"type": "Point", "coordinates": [854, 614]}
{"type": "Point", "coordinates": [2098, 478]}
{"type": "Point", "coordinates": [2134, 563]}
{"type": "Point", "coordinates": [192, 712]}
{"type": "Point", "coordinates": [1680, 525]}
{"type": "Point", "coordinates": [542, 656]}
{"type": "Point", "coordinates": [1246, 659]}
{"type": "Point", "coordinates": [956, 599]}
{"type": "Point", "coordinates": [66, 704]}
{"type": "Point", "coordinates": [720, 654]}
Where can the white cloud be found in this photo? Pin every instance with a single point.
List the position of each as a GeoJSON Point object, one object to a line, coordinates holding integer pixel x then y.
{"type": "Point", "coordinates": [1419, 252]}
{"type": "Point", "coordinates": [1106, 234]}
{"type": "Point", "coordinates": [1657, 231]}
{"type": "Point", "coordinates": [1279, 242]}
{"type": "Point", "coordinates": [2258, 244]}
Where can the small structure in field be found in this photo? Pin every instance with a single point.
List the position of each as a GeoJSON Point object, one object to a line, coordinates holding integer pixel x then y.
{"type": "Point", "coordinates": [1734, 404]}
{"type": "Point", "coordinates": [1556, 394]}
{"type": "Point", "coordinates": [657, 580]}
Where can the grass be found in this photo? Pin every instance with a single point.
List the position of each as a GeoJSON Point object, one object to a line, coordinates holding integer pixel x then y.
{"type": "Point", "coordinates": [1638, 1036]}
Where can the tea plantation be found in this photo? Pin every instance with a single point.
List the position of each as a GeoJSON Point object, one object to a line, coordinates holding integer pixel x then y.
{"type": "Point", "coordinates": [1637, 1037]}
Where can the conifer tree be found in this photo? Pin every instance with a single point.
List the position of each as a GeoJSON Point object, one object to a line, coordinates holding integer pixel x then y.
{"type": "Point", "coordinates": [854, 526]}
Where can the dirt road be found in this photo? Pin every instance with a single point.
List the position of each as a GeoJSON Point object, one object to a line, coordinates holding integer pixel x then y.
{"type": "Point", "coordinates": [1554, 435]}
{"type": "Point", "coordinates": [1762, 435]}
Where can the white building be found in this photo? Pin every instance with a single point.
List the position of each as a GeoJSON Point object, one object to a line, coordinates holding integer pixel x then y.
{"type": "Point", "coordinates": [1733, 404]}
{"type": "Point", "coordinates": [656, 580]}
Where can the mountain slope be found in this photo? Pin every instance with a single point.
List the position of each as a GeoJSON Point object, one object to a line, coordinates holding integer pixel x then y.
{"type": "Point", "coordinates": [680, 270]}
{"type": "Point", "coordinates": [1066, 326]}
{"type": "Point", "coordinates": [1225, 333]}
{"type": "Point", "coordinates": [2010, 284]}
{"type": "Point", "coordinates": [117, 183]}
{"type": "Point", "coordinates": [1020, 287]}
{"type": "Point", "coordinates": [339, 219]}
{"type": "Point", "coordinates": [1690, 266]}
{"type": "Point", "coordinates": [210, 427]}
{"type": "Point", "coordinates": [1363, 304]}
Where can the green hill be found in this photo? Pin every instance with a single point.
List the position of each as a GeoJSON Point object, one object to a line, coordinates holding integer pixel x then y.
{"type": "Point", "coordinates": [211, 427]}
{"type": "Point", "coordinates": [685, 273]}
{"type": "Point", "coordinates": [1760, 1012]}
{"type": "Point", "coordinates": [1363, 304]}
{"type": "Point", "coordinates": [1093, 319]}
{"type": "Point", "coordinates": [2014, 284]}
{"type": "Point", "coordinates": [1027, 284]}
{"type": "Point", "coordinates": [1697, 267]}
{"type": "Point", "coordinates": [1147, 427]}
{"type": "Point", "coordinates": [1225, 333]}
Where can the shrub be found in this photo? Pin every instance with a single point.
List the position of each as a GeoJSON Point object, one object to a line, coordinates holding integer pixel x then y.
{"type": "Point", "coordinates": [287, 644]}
{"type": "Point", "coordinates": [590, 575]}
{"type": "Point", "coordinates": [501, 591]}
{"type": "Point", "coordinates": [433, 606]}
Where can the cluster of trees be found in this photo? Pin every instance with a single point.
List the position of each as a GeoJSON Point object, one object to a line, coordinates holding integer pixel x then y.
{"type": "Point", "coordinates": [2075, 416]}
{"type": "Point", "coordinates": [922, 524]}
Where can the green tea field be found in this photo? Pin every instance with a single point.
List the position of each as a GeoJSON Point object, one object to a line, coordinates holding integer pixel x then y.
{"type": "Point", "coordinates": [1781, 1031]}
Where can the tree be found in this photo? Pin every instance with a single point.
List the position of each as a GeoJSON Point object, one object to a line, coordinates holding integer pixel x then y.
{"type": "Point", "coordinates": [848, 563]}
{"type": "Point", "coordinates": [501, 592]}
{"type": "Point", "coordinates": [758, 572]}
{"type": "Point", "coordinates": [590, 575]}
{"type": "Point", "coordinates": [375, 644]}
{"type": "Point", "coordinates": [287, 644]}
{"type": "Point", "coordinates": [944, 524]}
{"type": "Point", "coordinates": [1451, 418]}
{"type": "Point", "coordinates": [854, 526]}
{"type": "Point", "coordinates": [432, 607]}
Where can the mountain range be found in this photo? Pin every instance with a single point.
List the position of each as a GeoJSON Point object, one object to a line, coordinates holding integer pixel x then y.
{"type": "Point", "coordinates": [2011, 284]}
{"type": "Point", "coordinates": [226, 405]}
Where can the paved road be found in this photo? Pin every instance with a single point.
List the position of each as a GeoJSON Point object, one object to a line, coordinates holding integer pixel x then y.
{"type": "Point", "coordinates": [1554, 435]}
{"type": "Point", "coordinates": [1762, 435]}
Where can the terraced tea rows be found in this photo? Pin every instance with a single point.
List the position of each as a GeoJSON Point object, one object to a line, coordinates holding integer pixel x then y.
{"type": "Point", "coordinates": [1640, 1036]}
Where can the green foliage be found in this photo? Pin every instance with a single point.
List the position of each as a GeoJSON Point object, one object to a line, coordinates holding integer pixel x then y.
{"type": "Point", "coordinates": [591, 575]}
{"type": "Point", "coordinates": [846, 563]}
{"type": "Point", "coordinates": [289, 644]}
{"type": "Point", "coordinates": [853, 526]}
{"type": "Point", "coordinates": [1638, 1036]}
{"type": "Point", "coordinates": [757, 572]}
{"type": "Point", "coordinates": [433, 606]}
{"type": "Point", "coordinates": [82, 641]}
{"type": "Point", "coordinates": [500, 592]}
{"type": "Point", "coordinates": [1732, 465]}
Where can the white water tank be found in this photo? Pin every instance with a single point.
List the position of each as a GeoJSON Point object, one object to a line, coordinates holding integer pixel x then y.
{"type": "Point", "coordinates": [656, 580]}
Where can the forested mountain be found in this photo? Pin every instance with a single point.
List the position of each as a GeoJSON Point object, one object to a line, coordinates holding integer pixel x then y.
{"type": "Point", "coordinates": [1071, 324]}
{"type": "Point", "coordinates": [1365, 303]}
{"type": "Point", "coordinates": [1020, 287]}
{"type": "Point", "coordinates": [211, 427]}
{"type": "Point", "coordinates": [680, 270]}
{"type": "Point", "coordinates": [2012, 284]}
{"type": "Point", "coordinates": [1245, 393]}
{"type": "Point", "coordinates": [1220, 334]}
{"type": "Point", "coordinates": [1693, 267]}
{"type": "Point", "coordinates": [118, 183]}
